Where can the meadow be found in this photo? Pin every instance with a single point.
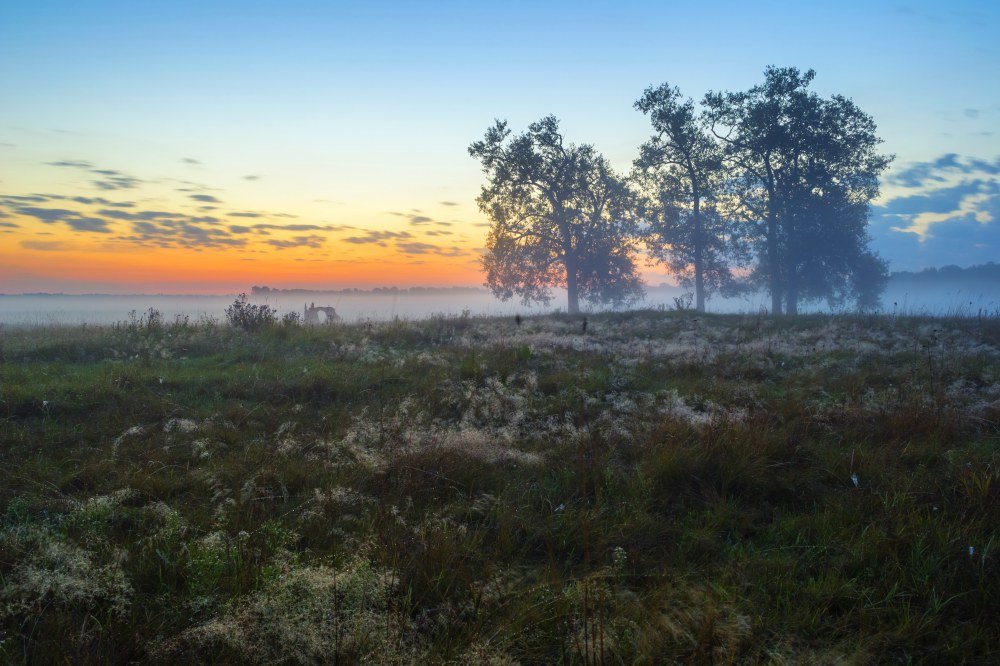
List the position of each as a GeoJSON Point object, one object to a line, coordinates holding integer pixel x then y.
{"type": "Point", "coordinates": [648, 487]}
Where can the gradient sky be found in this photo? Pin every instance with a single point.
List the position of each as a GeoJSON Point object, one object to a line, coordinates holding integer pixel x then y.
{"type": "Point", "coordinates": [196, 147]}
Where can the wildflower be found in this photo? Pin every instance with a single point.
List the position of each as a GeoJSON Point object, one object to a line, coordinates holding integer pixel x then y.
{"type": "Point", "coordinates": [854, 478]}
{"type": "Point", "coordinates": [180, 425]}
{"type": "Point", "coordinates": [560, 508]}
{"type": "Point", "coordinates": [972, 552]}
{"type": "Point", "coordinates": [45, 403]}
{"type": "Point", "coordinates": [618, 557]}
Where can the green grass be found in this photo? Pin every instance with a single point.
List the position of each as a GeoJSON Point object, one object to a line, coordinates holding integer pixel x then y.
{"type": "Point", "coordinates": [668, 487]}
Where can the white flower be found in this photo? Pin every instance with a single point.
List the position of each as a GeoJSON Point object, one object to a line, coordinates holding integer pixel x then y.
{"type": "Point", "coordinates": [854, 478]}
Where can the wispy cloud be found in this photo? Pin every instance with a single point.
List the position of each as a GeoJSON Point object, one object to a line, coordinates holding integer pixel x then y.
{"type": "Point", "coordinates": [107, 179]}
{"type": "Point", "coordinates": [115, 180]}
{"type": "Point", "coordinates": [378, 237]}
{"type": "Point", "coordinates": [947, 189]}
{"type": "Point", "coordinates": [93, 224]}
{"type": "Point", "coordinates": [312, 241]}
{"type": "Point", "coordinates": [428, 248]}
{"type": "Point", "coordinates": [103, 202]}
{"type": "Point", "coordinates": [45, 246]}
{"type": "Point", "coordinates": [69, 217]}
{"type": "Point", "coordinates": [941, 170]}
{"type": "Point", "coordinates": [265, 227]}
{"type": "Point", "coordinates": [156, 215]}
{"type": "Point", "coordinates": [180, 232]}
{"type": "Point", "coordinates": [941, 211]}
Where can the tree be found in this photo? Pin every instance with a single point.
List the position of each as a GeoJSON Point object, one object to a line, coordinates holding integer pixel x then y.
{"type": "Point", "coordinates": [560, 217]}
{"type": "Point", "coordinates": [808, 169]}
{"type": "Point", "coordinates": [680, 170]}
{"type": "Point", "coordinates": [826, 253]}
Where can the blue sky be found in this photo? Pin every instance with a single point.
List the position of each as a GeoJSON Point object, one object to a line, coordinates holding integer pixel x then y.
{"type": "Point", "coordinates": [356, 114]}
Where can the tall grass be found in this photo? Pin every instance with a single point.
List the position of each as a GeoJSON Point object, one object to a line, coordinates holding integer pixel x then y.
{"type": "Point", "coordinates": [663, 487]}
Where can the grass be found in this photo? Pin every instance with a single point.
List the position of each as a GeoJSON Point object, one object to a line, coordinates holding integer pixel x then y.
{"type": "Point", "coordinates": [665, 487]}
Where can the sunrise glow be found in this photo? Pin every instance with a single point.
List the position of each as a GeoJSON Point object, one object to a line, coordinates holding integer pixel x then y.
{"type": "Point", "coordinates": [205, 147]}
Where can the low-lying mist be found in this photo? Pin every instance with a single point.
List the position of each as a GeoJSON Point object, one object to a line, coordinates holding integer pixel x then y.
{"type": "Point", "coordinates": [939, 298]}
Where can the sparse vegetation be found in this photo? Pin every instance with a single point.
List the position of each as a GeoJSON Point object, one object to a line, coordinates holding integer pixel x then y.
{"type": "Point", "coordinates": [251, 316]}
{"type": "Point", "coordinates": [667, 487]}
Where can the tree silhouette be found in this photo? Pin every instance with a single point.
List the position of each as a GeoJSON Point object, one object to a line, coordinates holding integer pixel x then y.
{"type": "Point", "coordinates": [681, 175]}
{"type": "Point", "coordinates": [826, 253]}
{"type": "Point", "coordinates": [808, 169]}
{"type": "Point", "coordinates": [560, 218]}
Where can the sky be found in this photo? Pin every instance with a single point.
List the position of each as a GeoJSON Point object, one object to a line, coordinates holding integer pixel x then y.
{"type": "Point", "coordinates": [204, 147]}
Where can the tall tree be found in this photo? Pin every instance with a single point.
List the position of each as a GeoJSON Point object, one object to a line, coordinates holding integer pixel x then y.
{"type": "Point", "coordinates": [560, 218]}
{"type": "Point", "coordinates": [809, 169]}
{"type": "Point", "coordinates": [825, 215]}
{"type": "Point", "coordinates": [680, 170]}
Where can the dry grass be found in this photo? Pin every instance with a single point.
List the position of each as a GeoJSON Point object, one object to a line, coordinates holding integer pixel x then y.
{"type": "Point", "coordinates": [666, 488]}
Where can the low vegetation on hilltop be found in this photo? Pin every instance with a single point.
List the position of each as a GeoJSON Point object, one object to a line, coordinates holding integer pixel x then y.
{"type": "Point", "coordinates": [651, 487]}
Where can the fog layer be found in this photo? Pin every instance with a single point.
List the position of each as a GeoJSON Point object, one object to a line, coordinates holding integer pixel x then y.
{"type": "Point", "coordinates": [942, 298]}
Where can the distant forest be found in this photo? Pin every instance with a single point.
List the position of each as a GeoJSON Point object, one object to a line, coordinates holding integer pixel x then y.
{"type": "Point", "coordinates": [983, 273]}
{"type": "Point", "coordinates": [989, 272]}
{"type": "Point", "coordinates": [410, 291]}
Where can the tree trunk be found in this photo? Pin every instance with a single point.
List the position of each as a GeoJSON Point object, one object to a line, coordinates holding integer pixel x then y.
{"type": "Point", "coordinates": [773, 260]}
{"type": "Point", "coordinates": [572, 288]}
{"type": "Point", "coordinates": [772, 264]}
{"type": "Point", "coordinates": [792, 297]}
{"type": "Point", "coordinates": [699, 261]}
{"type": "Point", "coordinates": [792, 282]}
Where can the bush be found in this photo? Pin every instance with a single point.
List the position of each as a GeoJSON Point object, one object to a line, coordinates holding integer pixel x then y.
{"type": "Point", "coordinates": [249, 317]}
{"type": "Point", "coordinates": [151, 320]}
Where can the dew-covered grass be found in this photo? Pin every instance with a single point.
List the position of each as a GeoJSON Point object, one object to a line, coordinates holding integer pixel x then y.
{"type": "Point", "coordinates": [661, 487]}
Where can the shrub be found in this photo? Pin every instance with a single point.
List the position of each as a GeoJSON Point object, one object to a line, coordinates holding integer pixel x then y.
{"type": "Point", "coordinates": [151, 320]}
{"type": "Point", "coordinates": [249, 317]}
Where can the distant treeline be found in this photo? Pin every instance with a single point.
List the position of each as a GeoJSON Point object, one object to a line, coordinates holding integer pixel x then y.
{"type": "Point", "coordinates": [988, 272]}
{"type": "Point", "coordinates": [408, 291]}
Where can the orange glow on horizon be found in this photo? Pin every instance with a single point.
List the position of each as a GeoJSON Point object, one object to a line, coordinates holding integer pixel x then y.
{"type": "Point", "coordinates": [84, 263]}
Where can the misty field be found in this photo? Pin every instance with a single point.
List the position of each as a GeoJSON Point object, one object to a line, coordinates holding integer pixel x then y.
{"type": "Point", "coordinates": [647, 487]}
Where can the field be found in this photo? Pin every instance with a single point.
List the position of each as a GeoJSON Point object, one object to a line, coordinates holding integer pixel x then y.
{"type": "Point", "coordinates": [651, 487]}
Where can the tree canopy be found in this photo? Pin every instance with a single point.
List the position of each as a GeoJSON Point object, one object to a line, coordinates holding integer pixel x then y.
{"type": "Point", "coordinates": [775, 173]}
{"type": "Point", "coordinates": [560, 217]}
{"type": "Point", "coordinates": [807, 169]}
{"type": "Point", "coordinates": [681, 181]}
